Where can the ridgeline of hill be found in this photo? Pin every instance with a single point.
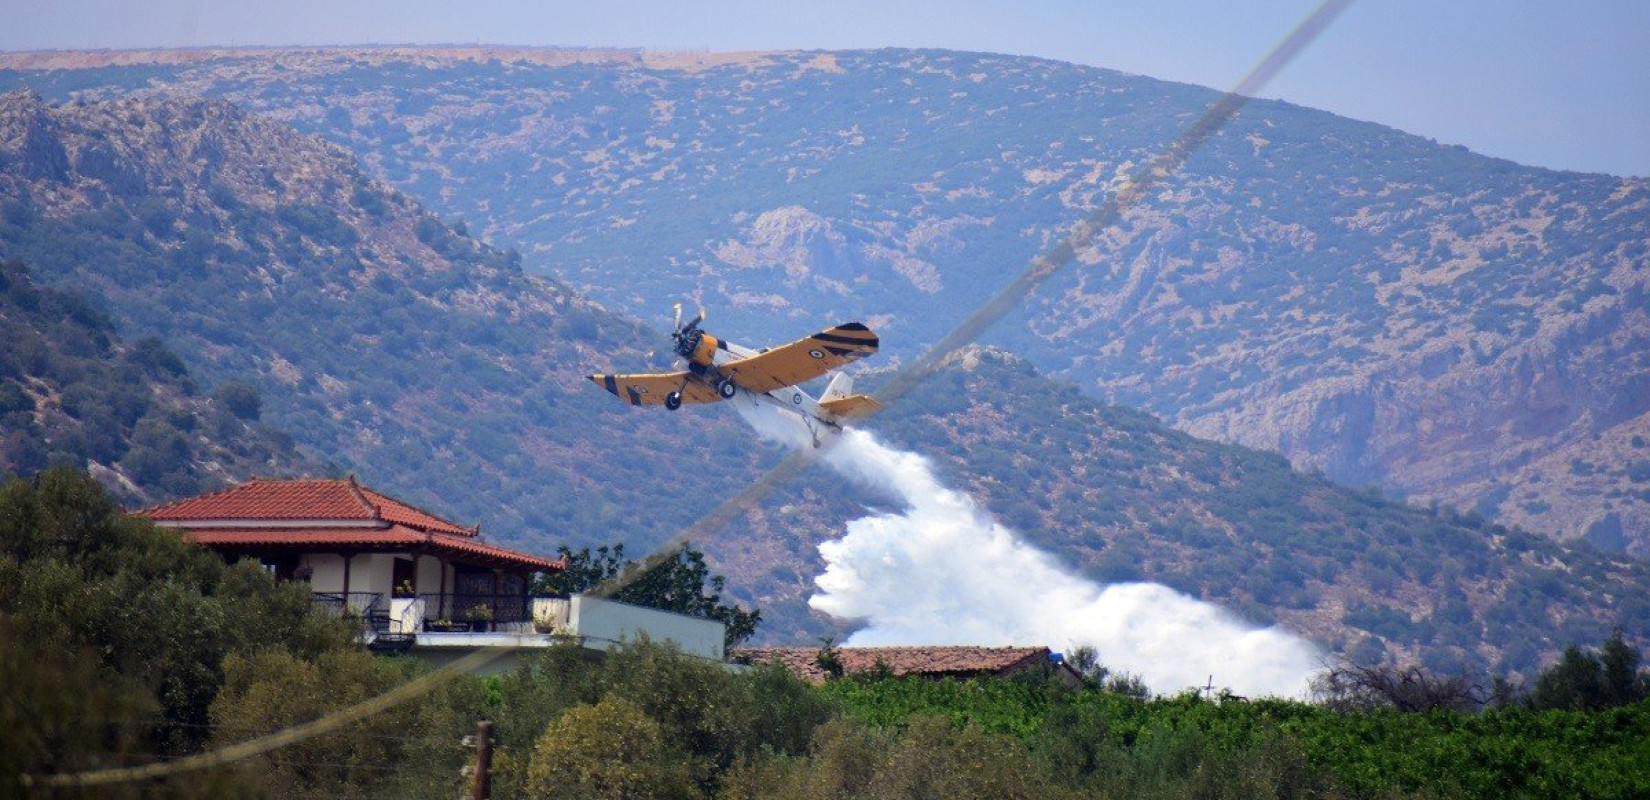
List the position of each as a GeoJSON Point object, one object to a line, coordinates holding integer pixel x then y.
{"type": "Point", "coordinates": [1369, 303]}
{"type": "Point", "coordinates": [392, 344]}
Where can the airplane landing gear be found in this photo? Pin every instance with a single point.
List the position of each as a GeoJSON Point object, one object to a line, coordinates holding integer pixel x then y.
{"type": "Point", "coordinates": [726, 389]}
{"type": "Point", "coordinates": [673, 400]}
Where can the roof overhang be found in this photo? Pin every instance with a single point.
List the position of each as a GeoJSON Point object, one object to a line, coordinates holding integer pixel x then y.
{"type": "Point", "coordinates": [261, 524]}
{"type": "Point", "coordinates": [395, 538]}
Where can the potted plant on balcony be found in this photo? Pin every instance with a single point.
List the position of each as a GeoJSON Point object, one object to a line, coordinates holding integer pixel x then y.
{"type": "Point", "coordinates": [480, 616]}
{"type": "Point", "coordinates": [404, 589]}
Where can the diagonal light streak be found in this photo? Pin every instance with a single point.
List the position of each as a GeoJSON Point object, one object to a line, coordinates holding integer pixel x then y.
{"type": "Point", "coordinates": [1134, 190]}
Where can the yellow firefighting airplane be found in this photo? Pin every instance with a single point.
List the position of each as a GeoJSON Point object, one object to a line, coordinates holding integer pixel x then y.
{"type": "Point", "coordinates": [721, 370]}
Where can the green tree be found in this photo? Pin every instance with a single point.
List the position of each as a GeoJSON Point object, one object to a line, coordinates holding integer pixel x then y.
{"type": "Point", "coordinates": [1585, 679]}
{"type": "Point", "coordinates": [608, 751]}
{"type": "Point", "coordinates": [152, 615]}
{"type": "Point", "coordinates": [931, 758]}
{"type": "Point", "coordinates": [715, 718]}
{"type": "Point", "coordinates": [409, 751]}
{"type": "Point", "coordinates": [240, 399]}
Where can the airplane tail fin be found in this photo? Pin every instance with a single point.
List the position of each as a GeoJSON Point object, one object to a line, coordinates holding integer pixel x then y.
{"type": "Point", "coordinates": [853, 406]}
{"type": "Point", "coordinates": [841, 385]}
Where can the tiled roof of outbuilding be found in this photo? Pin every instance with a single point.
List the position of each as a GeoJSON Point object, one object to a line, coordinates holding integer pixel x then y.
{"type": "Point", "coordinates": [935, 660]}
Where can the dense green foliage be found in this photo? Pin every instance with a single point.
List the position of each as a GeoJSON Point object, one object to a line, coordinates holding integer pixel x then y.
{"type": "Point", "coordinates": [123, 643]}
{"type": "Point", "coordinates": [678, 581]}
{"type": "Point", "coordinates": [72, 391]}
{"type": "Point", "coordinates": [708, 718]}
{"type": "Point", "coordinates": [114, 633]}
{"type": "Point", "coordinates": [1110, 741]}
{"type": "Point", "coordinates": [1592, 680]}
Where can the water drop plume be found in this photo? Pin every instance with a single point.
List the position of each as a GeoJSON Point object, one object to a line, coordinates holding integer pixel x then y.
{"type": "Point", "coordinates": [941, 570]}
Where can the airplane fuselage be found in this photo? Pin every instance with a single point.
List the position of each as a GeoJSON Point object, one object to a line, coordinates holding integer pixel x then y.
{"type": "Point", "coordinates": [789, 398]}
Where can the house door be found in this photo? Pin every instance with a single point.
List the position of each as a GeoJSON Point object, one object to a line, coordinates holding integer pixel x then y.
{"type": "Point", "coordinates": [404, 574]}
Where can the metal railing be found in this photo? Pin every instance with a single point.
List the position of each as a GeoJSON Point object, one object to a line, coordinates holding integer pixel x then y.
{"type": "Point", "coordinates": [473, 610]}
{"type": "Point", "coordinates": [369, 607]}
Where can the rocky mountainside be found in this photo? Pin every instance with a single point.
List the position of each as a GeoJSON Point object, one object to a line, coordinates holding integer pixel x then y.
{"type": "Point", "coordinates": [72, 390]}
{"type": "Point", "coordinates": [1369, 303]}
{"type": "Point", "coordinates": [386, 342]}
{"type": "Point", "coordinates": [394, 345]}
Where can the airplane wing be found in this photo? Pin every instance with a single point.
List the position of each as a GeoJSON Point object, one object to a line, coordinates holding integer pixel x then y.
{"type": "Point", "coordinates": [853, 406]}
{"type": "Point", "coordinates": [650, 389]}
{"type": "Point", "coordinates": [804, 359]}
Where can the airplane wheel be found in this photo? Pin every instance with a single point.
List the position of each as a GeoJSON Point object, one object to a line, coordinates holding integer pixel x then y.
{"type": "Point", "coordinates": [726, 389]}
{"type": "Point", "coordinates": [673, 400]}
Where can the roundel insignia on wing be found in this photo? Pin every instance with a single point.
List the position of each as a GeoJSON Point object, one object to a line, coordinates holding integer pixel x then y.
{"type": "Point", "coordinates": [816, 353]}
{"type": "Point", "coordinates": [796, 399]}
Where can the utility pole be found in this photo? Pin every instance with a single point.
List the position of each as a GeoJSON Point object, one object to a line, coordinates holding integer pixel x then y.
{"type": "Point", "coordinates": [484, 762]}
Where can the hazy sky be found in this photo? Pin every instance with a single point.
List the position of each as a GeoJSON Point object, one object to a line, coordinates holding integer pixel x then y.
{"type": "Point", "coordinates": [1558, 84]}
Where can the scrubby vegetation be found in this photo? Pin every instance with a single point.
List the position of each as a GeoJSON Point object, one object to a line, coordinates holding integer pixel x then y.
{"type": "Point", "coordinates": [306, 296]}
{"type": "Point", "coordinates": [72, 391]}
{"type": "Point", "coordinates": [384, 340]}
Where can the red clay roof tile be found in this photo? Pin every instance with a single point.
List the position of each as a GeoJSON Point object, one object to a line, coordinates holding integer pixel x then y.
{"type": "Point", "coordinates": [935, 660]}
{"type": "Point", "coordinates": [304, 499]}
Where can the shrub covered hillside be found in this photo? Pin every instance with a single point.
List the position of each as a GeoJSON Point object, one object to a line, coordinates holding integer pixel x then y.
{"type": "Point", "coordinates": [391, 344]}
{"type": "Point", "coordinates": [73, 391]}
{"type": "Point", "coordinates": [387, 342]}
{"type": "Point", "coordinates": [1378, 305]}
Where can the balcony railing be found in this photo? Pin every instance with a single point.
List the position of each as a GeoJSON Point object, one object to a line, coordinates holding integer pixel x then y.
{"type": "Point", "coordinates": [379, 613]}
{"type": "Point", "coordinates": [370, 608]}
{"type": "Point", "coordinates": [478, 611]}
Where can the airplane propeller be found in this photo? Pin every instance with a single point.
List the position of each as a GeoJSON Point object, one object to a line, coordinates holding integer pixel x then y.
{"type": "Point", "coordinates": [687, 336]}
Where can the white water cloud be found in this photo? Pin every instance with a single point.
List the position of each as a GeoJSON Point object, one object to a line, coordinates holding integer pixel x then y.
{"type": "Point", "coordinates": [942, 571]}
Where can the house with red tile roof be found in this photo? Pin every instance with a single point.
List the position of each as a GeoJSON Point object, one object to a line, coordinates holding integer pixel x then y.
{"type": "Point", "coordinates": [400, 567]}
{"type": "Point", "coordinates": [932, 661]}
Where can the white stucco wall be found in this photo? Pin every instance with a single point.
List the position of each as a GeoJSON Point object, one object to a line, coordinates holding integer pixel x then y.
{"type": "Point", "coordinates": [429, 576]}
{"type": "Point", "coordinates": [604, 623]}
{"type": "Point", "coordinates": [368, 572]}
{"type": "Point", "coordinates": [328, 572]}
{"type": "Point", "coordinates": [373, 572]}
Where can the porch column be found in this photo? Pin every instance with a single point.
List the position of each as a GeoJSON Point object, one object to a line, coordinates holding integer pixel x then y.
{"type": "Point", "coordinates": [444, 589]}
